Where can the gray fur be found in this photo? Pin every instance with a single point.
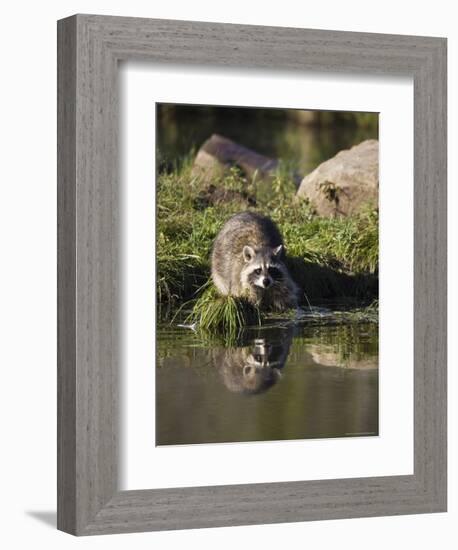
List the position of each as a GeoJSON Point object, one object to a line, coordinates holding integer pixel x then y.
{"type": "Point", "coordinates": [248, 260]}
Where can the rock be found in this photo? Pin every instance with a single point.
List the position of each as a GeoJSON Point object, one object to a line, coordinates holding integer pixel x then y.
{"type": "Point", "coordinates": [346, 183]}
{"type": "Point", "coordinates": [219, 153]}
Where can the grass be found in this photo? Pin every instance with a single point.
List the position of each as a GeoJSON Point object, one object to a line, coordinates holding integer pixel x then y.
{"type": "Point", "coordinates": [223, 314]}
{"type": "Point", "coordinates": [328, 258]}
{"type": "Point", "coordinates": [224, 318]}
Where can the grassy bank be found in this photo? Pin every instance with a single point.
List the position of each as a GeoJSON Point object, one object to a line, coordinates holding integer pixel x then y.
{"type": "Point", "coordinates": [328, 258]}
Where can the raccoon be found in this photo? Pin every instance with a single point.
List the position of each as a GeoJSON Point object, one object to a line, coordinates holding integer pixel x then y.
{"type": "Point", "coordinates": [247, 260]}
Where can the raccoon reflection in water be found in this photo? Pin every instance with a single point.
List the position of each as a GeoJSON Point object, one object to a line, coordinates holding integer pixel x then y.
{"type": "Point", "coordinates": [254, 365]}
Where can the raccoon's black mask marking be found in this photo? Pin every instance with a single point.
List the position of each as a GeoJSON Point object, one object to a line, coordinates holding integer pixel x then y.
{"type": "Point", "coordinates": [273, 274]}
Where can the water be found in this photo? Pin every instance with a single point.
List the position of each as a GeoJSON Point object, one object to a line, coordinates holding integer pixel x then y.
{"type": "Point", "coordinates": [275, 383]}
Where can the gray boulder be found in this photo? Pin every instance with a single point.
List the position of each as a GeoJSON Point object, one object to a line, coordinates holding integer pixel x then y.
{"type": "Point", "coordinates": [219, 153]}
{"type": "Point", "coordinates": [346, 183]}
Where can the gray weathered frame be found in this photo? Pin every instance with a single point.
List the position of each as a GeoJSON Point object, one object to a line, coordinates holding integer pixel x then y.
{"type": "Point", "coordinates": [89, 48]}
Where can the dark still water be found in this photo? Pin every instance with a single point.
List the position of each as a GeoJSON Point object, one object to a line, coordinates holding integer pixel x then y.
{"type": "Point", "coordinates": [288, 382]}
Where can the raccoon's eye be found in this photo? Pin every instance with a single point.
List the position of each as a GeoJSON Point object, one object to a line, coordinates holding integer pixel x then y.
{"type": "Point", "coordinates": [257, 271]}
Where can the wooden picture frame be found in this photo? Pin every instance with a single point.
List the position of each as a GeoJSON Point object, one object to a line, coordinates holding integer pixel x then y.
{"type": "Point", "coordinates": [89, 49]}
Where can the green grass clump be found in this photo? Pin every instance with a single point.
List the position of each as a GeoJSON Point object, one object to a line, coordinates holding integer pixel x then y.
{"type": "Point", "coordinates": [223, 314]}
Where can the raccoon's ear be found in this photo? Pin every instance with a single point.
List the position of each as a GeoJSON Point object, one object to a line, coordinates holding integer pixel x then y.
{"type": "Point", "coordinates": [248, 253]}
{"type": "Point", "coordinates": [278, 251]}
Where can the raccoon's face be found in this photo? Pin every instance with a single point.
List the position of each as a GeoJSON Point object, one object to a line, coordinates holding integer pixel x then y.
{"type": "Point", "coordinates": [265, 354]}
{"type": "Point", "coordinates": [262, 268]}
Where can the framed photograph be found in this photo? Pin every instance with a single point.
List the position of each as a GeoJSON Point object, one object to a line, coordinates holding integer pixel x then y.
{"type": "Point", "coordinates": [251, 275]}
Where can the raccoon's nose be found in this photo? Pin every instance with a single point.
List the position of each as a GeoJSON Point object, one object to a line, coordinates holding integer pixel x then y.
{"type": "Point", "coordinates": [266, 282]}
